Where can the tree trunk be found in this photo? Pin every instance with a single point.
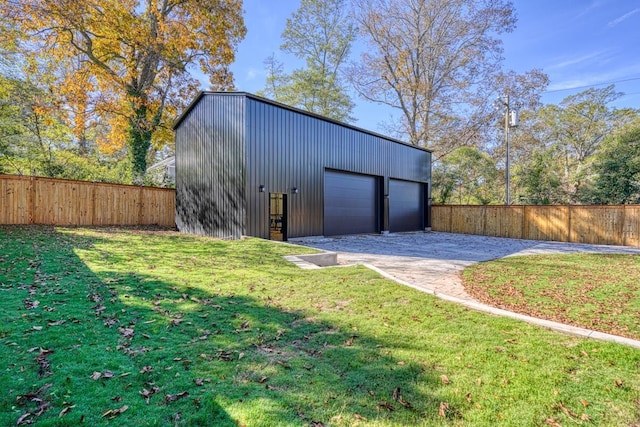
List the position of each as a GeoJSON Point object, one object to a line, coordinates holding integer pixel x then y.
{"type": "Point", "coordinates": [139, 136]}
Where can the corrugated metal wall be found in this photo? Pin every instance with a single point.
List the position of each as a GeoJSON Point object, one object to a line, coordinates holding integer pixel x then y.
{"type": "Point", "coordinates": [210, 167]}
{"type": "Point", "coordinates": [228, 144]}
{"type": "Point", "coordinates": [287, 148]}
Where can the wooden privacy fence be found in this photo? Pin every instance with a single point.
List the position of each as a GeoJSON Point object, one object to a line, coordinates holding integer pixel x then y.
{"type": "Point", "coordinates": [33, 200]}
{"type": "Point", "coordinates": [604, 225]}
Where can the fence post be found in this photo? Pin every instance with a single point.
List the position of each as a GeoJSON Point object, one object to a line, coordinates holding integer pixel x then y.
{"type": "Point", "coordinates": [569, 214]}
{"type": "Point", "coordinates": [140, 205]}
{"type": "Point", "coordinates": [31, 200]}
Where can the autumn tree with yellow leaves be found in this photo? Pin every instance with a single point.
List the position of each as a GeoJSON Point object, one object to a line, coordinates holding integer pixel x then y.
{"type": "Point", "coordinates": [128, 63]}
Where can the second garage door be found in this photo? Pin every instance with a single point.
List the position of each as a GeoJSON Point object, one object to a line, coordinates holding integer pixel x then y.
{"type": "Point", "coordinates": [405, 206]}
{"type": "Point", "coordinates": [349, 204]}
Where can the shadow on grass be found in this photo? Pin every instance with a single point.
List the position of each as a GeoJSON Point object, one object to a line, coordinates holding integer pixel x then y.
{"type": "Point", "coordinates": [106, 344]}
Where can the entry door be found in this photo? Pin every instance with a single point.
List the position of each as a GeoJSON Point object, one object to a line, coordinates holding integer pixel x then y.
{"type": "Point", "coordinates": [278, 216]}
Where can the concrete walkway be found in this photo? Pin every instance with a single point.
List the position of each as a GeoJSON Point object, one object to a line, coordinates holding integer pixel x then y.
{"type": "Point", "coordinates": [432, 263]}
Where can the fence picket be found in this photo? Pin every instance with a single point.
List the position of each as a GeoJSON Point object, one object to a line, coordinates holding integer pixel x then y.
{"type": "Point", "coordinates": [36, 200]}
{"type": "Point", "coordinates": [595, 224]}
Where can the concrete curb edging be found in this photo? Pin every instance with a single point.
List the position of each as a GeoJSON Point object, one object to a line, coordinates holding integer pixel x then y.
{"type": "Point", "coordinates": [560, 327]}
{"type": "Point", "coordinates": [314, 261]}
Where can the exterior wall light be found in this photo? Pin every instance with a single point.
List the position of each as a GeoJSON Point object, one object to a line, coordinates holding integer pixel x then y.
{"type": "Point", "coordinates": [261, 188]}
{"type": "Point", "coordinates": [295, 190]}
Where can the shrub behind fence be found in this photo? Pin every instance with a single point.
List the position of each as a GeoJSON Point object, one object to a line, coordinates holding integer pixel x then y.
{"type": "Point", "coordinates": [35, 200]}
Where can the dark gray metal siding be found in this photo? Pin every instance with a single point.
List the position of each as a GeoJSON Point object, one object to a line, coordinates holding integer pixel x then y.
{"type": "Point", "coordinates": [406, 206]}
{"type": "Point", "coordinates": [228, 144]}
{"type": "Point", "coordinates": [350, 204]}
{"type": "Point", "coordinates": [210, 168]}
{"type": "Point", "coordinates": [288, 148]}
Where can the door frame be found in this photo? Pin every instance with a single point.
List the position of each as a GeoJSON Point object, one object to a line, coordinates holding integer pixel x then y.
{"type": "Point", "coordinates": [280, 200]}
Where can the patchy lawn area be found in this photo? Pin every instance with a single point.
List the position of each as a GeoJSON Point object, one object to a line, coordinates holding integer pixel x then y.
{"type": "Point", "coordinates": [153, 328]}
{"type": "Point", "coordinates": [595, 291]}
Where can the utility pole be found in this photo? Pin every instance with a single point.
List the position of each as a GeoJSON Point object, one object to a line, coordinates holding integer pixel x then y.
{"type": "Point", "coordinates": [510, 121]}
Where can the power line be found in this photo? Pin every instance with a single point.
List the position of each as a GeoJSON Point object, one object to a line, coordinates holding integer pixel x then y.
{"type": "Point", "coordinates": [593, 85]}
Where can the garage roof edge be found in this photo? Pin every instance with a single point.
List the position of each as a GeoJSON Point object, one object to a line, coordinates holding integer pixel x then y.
{"type": "Point", "coordinates": [202, 94]}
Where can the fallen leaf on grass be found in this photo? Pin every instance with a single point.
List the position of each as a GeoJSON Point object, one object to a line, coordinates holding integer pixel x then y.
{"type": "Point", "coordinates": [350, 341]}
{"type": "Point", "coordinates": [227, 356]}
{"type": "Point", "coordinates": [445, 379]}
{"type": "Point", "coordinates": [97, 375]}
{"type": "Point", "coordinates": [444, 407]}
{"type": "Point", "coordinates": [568, 411]}
{"type": "Point", "coordinates": [244, 327]}
{"type": "Point", "coordinates": [146, 369]}
{"type": "Point", "coordinates": [112, 413]}
{"type": "Point", "coordinates": [316, 424]}
{"type": "Point", "coordinates": [359, 417]}
{"type": "Point", "coordinates": [385, 405]}
{"type": "Point", "coordinates": [585, 417]}
{"type": "Point", "coordinates": [110, 322]}
{"type": "Point", "coordinates": [65, 411]}
{"type": "Point", "coordinates": [397, 396]}
{"type": "Point", "coordinates": [553, 422]}
{"type": "Point", "coordinates": [56, 323]}
{"type": "Point", "coordinates": [94, 297]}
{"type": "Point", "coordinates": [146, 394]}
{"type": "Point", "coordinates": [127, 332]}
{"type": "Point", "coordinates": [24, 419]}
{"type": "Point", "coordinates": [44, 363]}
{"type": "Point", "coordinates": [396, 393]}
{"type": "Point", "coordinates": [173, 397]}
{"type": "Point", "coordinates": [30, 304]}
{"type": "Point", "coordinates": [618, 383]}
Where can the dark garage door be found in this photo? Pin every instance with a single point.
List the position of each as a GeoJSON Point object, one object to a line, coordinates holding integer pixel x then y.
{"type": "Point", "coordinates": [349, 204]}
{"type": "Point", "coordinates": [405, 206]}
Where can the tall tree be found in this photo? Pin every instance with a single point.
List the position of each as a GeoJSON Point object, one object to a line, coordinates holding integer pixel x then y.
{"type": "Point", "coordinates": [432, 60]}
{"type": "Point", "coordinates": [617, 167]}
{"type": "Point", "coordinates": [466, 176]}
{"type": "Point", "coordinates": [577, 127]}
{"type": "Point", "coordinates": [321, 34]}
{"type": "Point", "coordinates": [137, 54]}
{"type": "Point", "coordinates": [540, 179]}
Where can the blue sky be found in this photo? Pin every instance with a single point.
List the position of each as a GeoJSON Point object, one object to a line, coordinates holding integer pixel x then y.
{"type": "Point", "coordinates": [578, 43]}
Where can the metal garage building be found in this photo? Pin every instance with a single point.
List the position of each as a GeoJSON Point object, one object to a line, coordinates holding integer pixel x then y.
{"type": "Point", "coordinates": [246, 165]}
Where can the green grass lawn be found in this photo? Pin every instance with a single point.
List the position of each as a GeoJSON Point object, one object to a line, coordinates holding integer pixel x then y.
{"type": "Point", "coordinates": [125, 327]}
{"type": "Point", "coordinates": [595, 291]}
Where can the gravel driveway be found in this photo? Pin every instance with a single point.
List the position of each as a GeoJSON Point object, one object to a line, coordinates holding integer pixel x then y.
{"type": "Point", "coordinates": [433, 261]}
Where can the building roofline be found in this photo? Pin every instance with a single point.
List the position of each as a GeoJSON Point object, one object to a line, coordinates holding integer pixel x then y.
{"type": "Point", "coordinates": [193, 103]}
